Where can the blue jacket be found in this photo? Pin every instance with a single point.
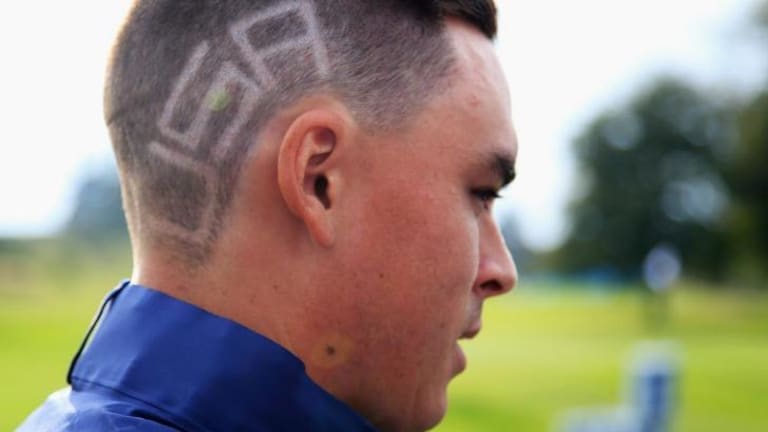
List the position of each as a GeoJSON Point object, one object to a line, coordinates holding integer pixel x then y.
{"type": "Point", "coordinates": [157, 364]}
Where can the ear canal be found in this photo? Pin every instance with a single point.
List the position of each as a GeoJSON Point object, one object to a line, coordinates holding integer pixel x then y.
{"type": "Point", "coordinates": [321, 190]}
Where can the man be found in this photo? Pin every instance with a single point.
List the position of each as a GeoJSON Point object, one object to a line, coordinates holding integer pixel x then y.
{"type": "Point", "coordinates": [308, 187]}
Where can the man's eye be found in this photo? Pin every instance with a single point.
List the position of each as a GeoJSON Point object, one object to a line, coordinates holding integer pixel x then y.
{"type": "Point", "coordinates": [486, 196]}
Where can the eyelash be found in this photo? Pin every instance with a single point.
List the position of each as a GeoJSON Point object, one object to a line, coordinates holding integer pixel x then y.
{"type": "Point", "coordinates": [486, 195]}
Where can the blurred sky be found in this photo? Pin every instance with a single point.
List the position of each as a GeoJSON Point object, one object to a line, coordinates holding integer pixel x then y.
{"type": "Point", "coordinates": [566, 61]}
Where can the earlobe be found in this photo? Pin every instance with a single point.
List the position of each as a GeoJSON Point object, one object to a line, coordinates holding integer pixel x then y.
{"type": "Point", "coordinates": [306, 171]}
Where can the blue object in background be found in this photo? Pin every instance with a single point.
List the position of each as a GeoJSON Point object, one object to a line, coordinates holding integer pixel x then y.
{"type": "Point", "coordinates": [651, 396]}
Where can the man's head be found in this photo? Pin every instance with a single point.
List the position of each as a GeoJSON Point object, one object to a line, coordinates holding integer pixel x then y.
{"type": "Point", "coordinates": [322, 172]}
{"type": "Point", "coordinates": [192, 84]}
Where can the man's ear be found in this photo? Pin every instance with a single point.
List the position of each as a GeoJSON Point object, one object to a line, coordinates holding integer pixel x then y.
{"type": "Point", "coordinates": [307, 170]}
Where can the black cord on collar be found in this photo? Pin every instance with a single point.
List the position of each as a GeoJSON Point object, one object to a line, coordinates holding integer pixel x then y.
{"type": "Point", "coordinates": [94, 323]}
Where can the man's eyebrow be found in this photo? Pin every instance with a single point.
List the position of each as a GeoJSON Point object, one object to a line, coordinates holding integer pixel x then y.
{"type": "Point", "coordinates": [504, 165]}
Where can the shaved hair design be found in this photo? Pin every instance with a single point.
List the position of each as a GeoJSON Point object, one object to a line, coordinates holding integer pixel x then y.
{"type": "Point", "coordinates": [191, 83]}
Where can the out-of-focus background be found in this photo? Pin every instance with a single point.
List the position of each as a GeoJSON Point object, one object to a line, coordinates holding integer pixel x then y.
{"type": "Point", "coordinates": [639, 219]}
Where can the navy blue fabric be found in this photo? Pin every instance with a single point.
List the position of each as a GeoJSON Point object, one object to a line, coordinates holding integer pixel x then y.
{"type": "Point", "coordinates": [157, 364]}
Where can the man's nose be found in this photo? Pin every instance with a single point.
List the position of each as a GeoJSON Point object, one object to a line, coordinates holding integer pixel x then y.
{"type": "Point", "coordinates": [497, 273]}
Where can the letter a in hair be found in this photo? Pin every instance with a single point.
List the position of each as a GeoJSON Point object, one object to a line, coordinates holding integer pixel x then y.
{"type": "Point", "coordinates": [312, 38]}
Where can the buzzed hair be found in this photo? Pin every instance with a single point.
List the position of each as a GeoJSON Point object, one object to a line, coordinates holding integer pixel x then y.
{"type": "Point", "coordinates": [191, 83]}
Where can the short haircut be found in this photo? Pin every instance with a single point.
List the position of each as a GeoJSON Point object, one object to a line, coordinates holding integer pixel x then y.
{"type": "Point", "coordinates": [191, 82]}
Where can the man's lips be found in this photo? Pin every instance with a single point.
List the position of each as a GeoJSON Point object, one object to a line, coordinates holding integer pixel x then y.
{"type": "Point", "coordinates": [472, 330]}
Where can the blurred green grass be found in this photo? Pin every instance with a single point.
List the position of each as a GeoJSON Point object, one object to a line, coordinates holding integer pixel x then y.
{"type": "Point", "coordinates": [546, 350]}
{"type": "Point", "coordinates": [543, 350]}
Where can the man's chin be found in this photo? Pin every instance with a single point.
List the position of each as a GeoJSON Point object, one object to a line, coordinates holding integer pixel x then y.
{"type": "Point", "coordinates": [426, 417]}
{"type": "Point", "coordinates": [435, 412]}
{"type": "Point", "coordinates": [432, 417]}
{"type": "Point", "coordinates": [422, 421]}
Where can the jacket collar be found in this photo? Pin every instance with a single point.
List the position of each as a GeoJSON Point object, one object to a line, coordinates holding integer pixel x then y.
{"type": "Point", "coordinates": [206, 372]}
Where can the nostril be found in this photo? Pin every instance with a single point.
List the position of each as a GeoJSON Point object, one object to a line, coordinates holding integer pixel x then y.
{"type": "Point", "coordinates": [492, 287]}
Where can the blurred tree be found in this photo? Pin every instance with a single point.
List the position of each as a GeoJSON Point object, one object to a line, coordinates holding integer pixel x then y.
{"type": "Point", "coordinates": [653, 175]}
{"type": "Point", "coordinates": [747, 178]}
{"type": "Point", "coordinates": [98, 214]}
